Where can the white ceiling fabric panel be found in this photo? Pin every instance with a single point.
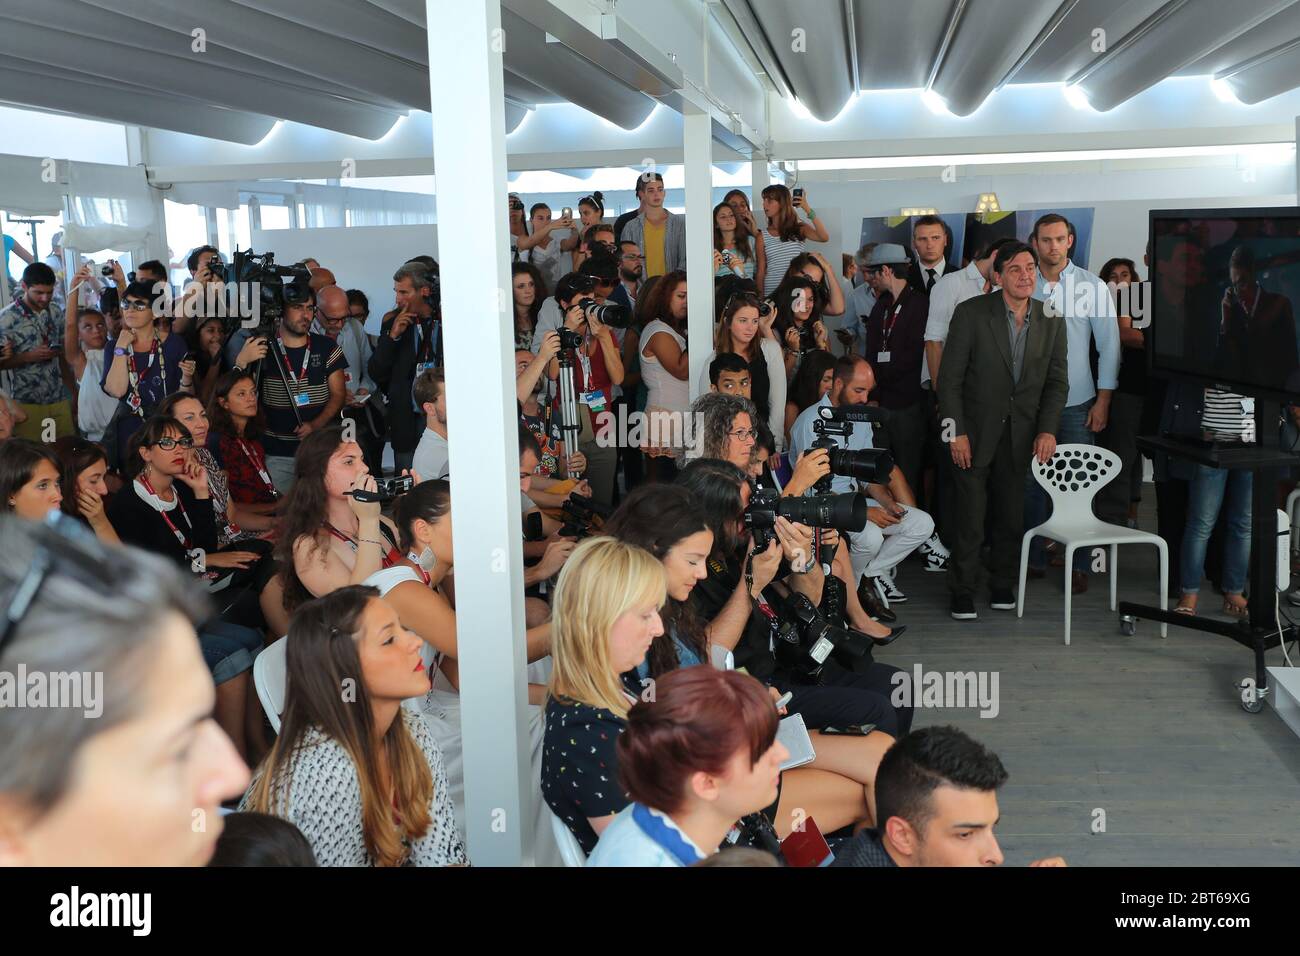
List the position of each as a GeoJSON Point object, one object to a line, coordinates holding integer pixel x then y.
{"type": "Point", "coordinates": [110, 207]}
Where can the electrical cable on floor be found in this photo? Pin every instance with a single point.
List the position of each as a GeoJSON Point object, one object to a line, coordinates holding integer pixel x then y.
{"type": "Point", "coordinates": [1277, 617]}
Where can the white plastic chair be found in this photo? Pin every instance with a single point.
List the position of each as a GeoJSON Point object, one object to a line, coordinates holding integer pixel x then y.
{"type": "Point", "coordinates": [269, 677]}
{"type": "Point", "coordinates": [570, 849]}
{"type": "Point", "coordinates": [1072, 477]}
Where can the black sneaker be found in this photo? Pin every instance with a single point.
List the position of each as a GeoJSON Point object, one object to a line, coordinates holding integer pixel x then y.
{"type": "Point", "coordinates": [1002, 599]}
{"type": "Point", "coordinates": [963, 608]}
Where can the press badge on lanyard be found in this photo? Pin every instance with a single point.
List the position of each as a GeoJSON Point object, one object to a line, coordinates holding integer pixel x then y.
{"type": "Point", "coordinates": [300, 398]}
{"type": "Point", "coordinates": [883, 355]}
{"type": "Point", "coordinates": [594, 399]}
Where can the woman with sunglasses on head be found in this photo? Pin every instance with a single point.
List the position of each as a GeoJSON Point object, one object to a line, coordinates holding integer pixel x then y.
{"type": "Point", "coordinates": [745, 331]}
{"type": "Point", "coordinates": [359, 775]}
{"type": "Point", "coordinates": [140, 368]}
{"type": "Point", "coordinates": [29, 479]}
{"type": "Point", "coordinates": [122, 782]}
{"type": "Point", "coordinates": [84, 465]}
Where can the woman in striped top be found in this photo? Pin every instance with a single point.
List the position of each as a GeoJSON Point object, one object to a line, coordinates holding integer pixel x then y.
{"type": "Point", "coordinates": [1226, 416]}
{"type": "Point", "coordinates": [785, 234]}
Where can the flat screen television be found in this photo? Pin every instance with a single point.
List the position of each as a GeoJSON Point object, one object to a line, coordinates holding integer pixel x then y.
{"type": "Point", "coordinates": [1225, 284]}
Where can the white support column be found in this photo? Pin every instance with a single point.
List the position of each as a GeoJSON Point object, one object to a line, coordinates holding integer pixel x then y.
{"type": "Point", "coordinates": [697, 143]}
{"type": "Point", "coordinates": [469, 148]}
{"type": "Point", "coordinates": [758, 180]}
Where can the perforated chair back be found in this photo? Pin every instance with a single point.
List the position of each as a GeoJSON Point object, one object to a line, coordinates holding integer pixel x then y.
{"type": "Point", "coordinates": [570, 849]}
{"type": "Point", "coordinates": [1074, 475]}
{"type": "Point", "coordinates": [270, 674]}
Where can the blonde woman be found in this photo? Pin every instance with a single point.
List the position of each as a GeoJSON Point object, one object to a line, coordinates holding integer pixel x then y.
{"type": "Point", "coordinates": [605, 615]}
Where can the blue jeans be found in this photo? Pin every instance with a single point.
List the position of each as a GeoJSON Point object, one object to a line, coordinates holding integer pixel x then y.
{"type": "Point", "coordinates": [1072, 430]}
{"type": "Point", "coordinates": [1209, 487]}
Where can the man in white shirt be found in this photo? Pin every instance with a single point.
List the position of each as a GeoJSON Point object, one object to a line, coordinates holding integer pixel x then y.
{"type": "Point", "coordinates": [1089, 311]}
{"type": "Point", "coordinates": [430, 459]}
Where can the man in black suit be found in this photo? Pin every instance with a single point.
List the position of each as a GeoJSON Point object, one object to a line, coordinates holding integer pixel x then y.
{"type": "Point", "coordinates": [410, 342]}
{"type": "Point", "coordinates": [930, 241]}
{"type": "Point", "coordinates": [1003, 386]}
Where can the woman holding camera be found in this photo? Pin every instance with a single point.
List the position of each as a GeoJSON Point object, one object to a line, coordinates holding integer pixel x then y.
{"type": "Point", "coordinates": [597, 368]}
{"type": "Point", "coordinates": [731, 251]}
{"type": "Point", "coordinates": [799, 304]}
{"type": "Point", "coordinates": [125, 783]}
{"type": "Point", "coordinates": [665, 367]}
{"type": "Point", "coordinates": [329, 539]}
{"type": "Point", "coordinates": [359, 775]}
{"type": "Point", "coordinates": [785, 233]}
{"type": "Point", "coordinates": [548, 253]}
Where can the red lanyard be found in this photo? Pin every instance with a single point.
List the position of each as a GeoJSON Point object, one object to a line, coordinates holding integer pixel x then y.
{"type": "Point", "coordinates": [415, 559]}
{"type": "Point", "coordinates": [185, 542]}
{"type": "Point", "coordinates": [893, 320]}
{"type": "Point", "coordinates": [388, 560]}
{"type": "Point", "coordinates": [306, 357]}
{"type": "Point", "coordinates": [259, 463]}
{"type": "Point", "coordinates": [134, 377]}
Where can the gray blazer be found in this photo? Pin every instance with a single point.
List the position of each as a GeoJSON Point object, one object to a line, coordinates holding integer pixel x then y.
{"type": "Point", "coordinates": [674, 239]}
{"type": "Point", "coordinates": [978, 390]}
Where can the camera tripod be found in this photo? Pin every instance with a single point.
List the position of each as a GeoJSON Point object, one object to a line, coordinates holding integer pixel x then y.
{"type": "Point", "coordinates": [568, 396]}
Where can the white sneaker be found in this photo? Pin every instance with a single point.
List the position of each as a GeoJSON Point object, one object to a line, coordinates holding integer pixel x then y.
{"type": "Point", "coordinates": [935, 554]}
{"type": "Point", "coordinates": [888, 590]}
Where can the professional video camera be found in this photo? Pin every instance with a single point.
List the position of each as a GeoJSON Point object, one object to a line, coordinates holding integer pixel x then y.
{"type": "Point", "coordinates": [846, 512]}
{"type": "Point", "coordinates": [273, 293]}
{"type": "Point", "coordinates": [803, 639]}
{"type": "Point", "coordinates": [872, 465]}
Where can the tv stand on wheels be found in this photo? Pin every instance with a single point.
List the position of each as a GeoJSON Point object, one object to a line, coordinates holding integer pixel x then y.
{"type": "Point", "coordinates": [1260, 631]}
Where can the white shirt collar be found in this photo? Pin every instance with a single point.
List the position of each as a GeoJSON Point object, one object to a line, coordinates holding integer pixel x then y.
{"type": "Point", "coordinates": [152, 500]}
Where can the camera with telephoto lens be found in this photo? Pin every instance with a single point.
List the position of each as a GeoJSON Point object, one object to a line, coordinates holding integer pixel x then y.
{"type": "Point", "coordinates": [803, 640]}
{"type": "Point", "coordinates": [610, 313]}
{"type": "Point", "coordinates": [872, 465]}
{"type": "Point", "coordinates": [846, 512]}
{"type": "Point", "coordinates": [386, 489]}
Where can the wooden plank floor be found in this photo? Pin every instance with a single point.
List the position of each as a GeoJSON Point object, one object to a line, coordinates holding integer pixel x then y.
{"type": "Point", "coordinates": [1151, 731]}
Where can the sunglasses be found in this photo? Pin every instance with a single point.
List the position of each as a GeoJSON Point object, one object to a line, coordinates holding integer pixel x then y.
{"type": "Point", "coordinates": [134, 305]}
{"type": "Point", "coordinates": [168, 443]}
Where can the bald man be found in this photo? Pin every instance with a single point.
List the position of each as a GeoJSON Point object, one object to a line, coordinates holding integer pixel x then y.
{"type": "Point", "coordinates": [321, 278]}
{"type": "Point", "coordinates": [333, 319]}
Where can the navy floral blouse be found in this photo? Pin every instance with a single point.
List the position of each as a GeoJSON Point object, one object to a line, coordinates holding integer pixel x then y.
{"type": "Point", "coordinates": [580, 766]}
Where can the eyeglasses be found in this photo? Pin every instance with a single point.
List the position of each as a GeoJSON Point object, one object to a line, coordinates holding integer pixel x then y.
{"type": "Point", "coordinates": [136, 306]}
{"type": "Point", "coordinates": [168, 443]}
{"type": "Point", "coordinates": [633, 256]}
{"type": "Point", "coordinates": [740, 434]}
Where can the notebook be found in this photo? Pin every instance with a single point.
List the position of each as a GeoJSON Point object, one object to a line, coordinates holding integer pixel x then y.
{"type": "Point", "coordinates": [793, 735]}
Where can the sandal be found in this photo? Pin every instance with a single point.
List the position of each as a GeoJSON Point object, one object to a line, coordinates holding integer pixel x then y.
{"type": "Point", "coordinates": [1184, 609]}
{"type": "Point", "coordinates": [1236, 610]}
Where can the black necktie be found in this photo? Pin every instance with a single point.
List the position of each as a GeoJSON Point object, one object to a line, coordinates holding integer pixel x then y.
{"type": "Point", "coordinates": [929, 283]}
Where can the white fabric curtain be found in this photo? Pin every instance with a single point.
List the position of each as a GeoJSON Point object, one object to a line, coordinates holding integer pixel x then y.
{"type": "Point", "coordinates": [109, 207]}
{"type": "Point", "coordinates": [322, 206]}
{"type": "Point", "coordinates": [379, 207]}
{"type": "Point", "coordinates": [31, 186]}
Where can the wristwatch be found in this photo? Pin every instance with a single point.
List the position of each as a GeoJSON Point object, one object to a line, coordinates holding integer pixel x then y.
{"type": "Point", "coordinates": [118, 350]}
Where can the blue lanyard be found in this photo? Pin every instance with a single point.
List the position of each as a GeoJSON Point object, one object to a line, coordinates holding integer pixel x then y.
{"type": "Point", "coordinates": [669, 838]}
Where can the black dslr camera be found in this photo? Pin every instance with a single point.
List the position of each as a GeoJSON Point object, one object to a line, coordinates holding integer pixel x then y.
{"type": "Point", "coordinates": [610, 313]}
{"type": "Point", "coordinates": [872, 465]}
{"type": "Point", "coordinates": [570, 339]}
{"type": "Point", "coordinates": [803, 639]}
{"type": "Point", "coordinates": [581, 514]}
{"type": "Point", "coordinates": [847, 512]}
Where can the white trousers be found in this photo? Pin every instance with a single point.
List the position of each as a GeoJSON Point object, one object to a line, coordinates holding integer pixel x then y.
{"type": "Point", "coordinates": [875, 550]}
